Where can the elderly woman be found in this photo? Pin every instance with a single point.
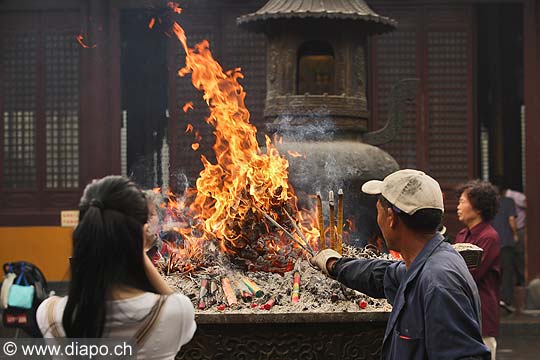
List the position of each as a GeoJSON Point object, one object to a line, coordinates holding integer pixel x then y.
{"type": "Point", "coordinates": [478, 204]}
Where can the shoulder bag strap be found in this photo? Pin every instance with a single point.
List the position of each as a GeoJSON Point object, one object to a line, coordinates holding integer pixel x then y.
{"type": "Point", "coordinates": [50, 317]}
{"type": "Point", "coordinates": [151, 319]}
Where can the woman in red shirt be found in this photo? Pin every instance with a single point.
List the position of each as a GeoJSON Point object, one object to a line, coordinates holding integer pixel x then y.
{"type": "Point", "coordinates": [478, 204]}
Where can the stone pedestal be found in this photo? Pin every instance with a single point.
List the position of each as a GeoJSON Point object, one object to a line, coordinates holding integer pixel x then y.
{"type": "Point", "coordinates": [323, 336]}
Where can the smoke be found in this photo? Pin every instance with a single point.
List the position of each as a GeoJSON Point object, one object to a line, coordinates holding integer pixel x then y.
{"type": "Point", "coordinates": [328, 162]}
{"type": "Point", "coordinates": [312, 170]}
{"type": "Point", "coordinates": [316, 124]}
{"type": "Point", "coordinates": [179, 183]}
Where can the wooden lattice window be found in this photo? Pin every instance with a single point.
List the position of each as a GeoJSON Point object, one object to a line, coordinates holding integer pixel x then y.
{"type": "Point", "coordinates": [62, 110]}
{"type": "Point", "coordinates": [39, 115]}
{"type": "Point", "coordinates": [40, 110]}
{"type": "Point", "coordinates": [448, 105]}
{"type": "Point", "coordinates": [396, 60]}
{"type": "Point", "coordinates": [19, 110]}
{"type": "Point", "coordinates": [432, 43]}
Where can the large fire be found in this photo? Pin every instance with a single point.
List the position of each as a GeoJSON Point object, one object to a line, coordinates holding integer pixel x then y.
{"type": "Point", "coordinates": [231, 196]}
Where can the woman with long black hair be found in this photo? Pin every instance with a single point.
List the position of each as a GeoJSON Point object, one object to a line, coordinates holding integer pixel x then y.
{"type": "Point", "coordinates": [115, 291]}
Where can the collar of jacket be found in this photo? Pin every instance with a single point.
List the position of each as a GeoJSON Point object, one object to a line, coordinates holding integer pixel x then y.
{"type": "Point", "coordinates": [410, 275]}
{"type": "Point", "coordinates": [479, 228]}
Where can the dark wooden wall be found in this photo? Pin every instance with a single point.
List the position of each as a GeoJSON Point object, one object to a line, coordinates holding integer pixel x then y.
{"type": "Point", "coordinates": [434, 43]}
{"type": "Point", "coordinates": [532, 105]}
{"type": "Point", "coordinates": [71, 94]}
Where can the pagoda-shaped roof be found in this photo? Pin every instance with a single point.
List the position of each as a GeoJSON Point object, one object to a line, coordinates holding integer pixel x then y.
{"type": "Point", "coordinates": [356, 10]}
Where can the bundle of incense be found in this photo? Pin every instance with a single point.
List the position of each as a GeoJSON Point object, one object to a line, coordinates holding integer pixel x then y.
{"type": "Point", "coordinates": [244, 291]}
{"type": "Point", "coordinates": [202, 293]}
{"type": "Point", "coordinates": [261, 301]}
{"type": "Point", "coordinates": [362, 304]}
{"type": "Point", "coordinates": [332, 220]}
{"type": "Point", "coordinates": [230, 296]}
{"type": "Point", "coordinates": [339, 238]}
{"type": "Point", "coordinates": [285, 231]}
{"type": "Point", "coordinates": [236, 290]}
{"type": "Point", "coordinates": [320, 221]}
{"type": "Point", "coordinates": [296, 287]}
{"type": "Point", "coordinates": [253, 288]}
{"type": "Point", "coordinates": [213, 292]}
{"type": "Point", "coordinates": [268, 305]}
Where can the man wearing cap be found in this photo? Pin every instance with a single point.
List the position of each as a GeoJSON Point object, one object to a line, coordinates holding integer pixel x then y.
{"type": "Point", "coordinates": [436, 307]}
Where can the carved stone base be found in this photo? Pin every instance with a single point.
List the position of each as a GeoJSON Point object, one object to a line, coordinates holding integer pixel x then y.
{"type": "Point", "coordinates": [314, 336]}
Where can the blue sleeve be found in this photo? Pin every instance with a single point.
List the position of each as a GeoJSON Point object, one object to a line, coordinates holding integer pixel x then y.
{"type": "Point", "coordinates": [452, 328]}
{"type": "Point", "coordinates": [392, 279]}
{"type": "Point", "coordinates": [365, 275]}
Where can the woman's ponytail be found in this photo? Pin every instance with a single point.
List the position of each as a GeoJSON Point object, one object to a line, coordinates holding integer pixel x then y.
{"type": "Point", "coordinates": [107, 252]}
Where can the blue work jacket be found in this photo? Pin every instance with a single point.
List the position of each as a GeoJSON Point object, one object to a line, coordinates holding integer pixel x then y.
{"type": "Point", "coordinates": [436, 306]}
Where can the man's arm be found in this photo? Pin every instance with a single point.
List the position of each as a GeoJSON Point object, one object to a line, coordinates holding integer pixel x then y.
{"type": "Point", "coordinates": [364, 275]}
{"type": "Point", "coordinates": [513, 226]}
{"type": "Point", "coordinates": [512, 219]}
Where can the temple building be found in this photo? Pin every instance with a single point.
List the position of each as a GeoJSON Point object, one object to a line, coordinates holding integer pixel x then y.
{"type": "Point", "coordinates": [90, 88]}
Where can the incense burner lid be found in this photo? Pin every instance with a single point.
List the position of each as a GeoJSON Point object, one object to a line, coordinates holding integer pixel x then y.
{"type": "Point", "coordinates": [293, 10]}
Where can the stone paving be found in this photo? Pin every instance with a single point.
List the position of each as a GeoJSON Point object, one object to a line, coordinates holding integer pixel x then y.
{"type": "Point", "coordinates": [518, 348]}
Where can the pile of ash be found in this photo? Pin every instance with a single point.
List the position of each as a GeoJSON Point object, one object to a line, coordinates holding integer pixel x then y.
{"type": "Point", "coordinates": [317, 292]}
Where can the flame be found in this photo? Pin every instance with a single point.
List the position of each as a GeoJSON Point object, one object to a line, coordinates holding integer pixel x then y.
{"type": "Point", "coordinates": [243, 175]}
{"type": "Point", "coordinates": [187, 106]}
{"type": "Point", "coordinates": [294, 154]}
{"type": "Point", "coordinates": [151, 23]}
{"type": "Point", "coordinates": [80, 40]}
{"type": "Point", "coordinates": [224, 209]}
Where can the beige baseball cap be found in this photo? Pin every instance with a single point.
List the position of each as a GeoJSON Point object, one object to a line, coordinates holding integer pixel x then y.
{"type": "Point", "coordinates": [408, 190]}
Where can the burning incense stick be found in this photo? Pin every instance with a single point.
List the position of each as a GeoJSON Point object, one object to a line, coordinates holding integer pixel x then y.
{"type": "Point", "coordinates": [245, 293]}
{"type": "Point", "coordinates": [268, 305]}
{"type": "Point", "coordinates": [236, 290]}
{"type": "Point", "coordinates": [275, 223]}
{"type": "Point", "coordinates": [321, 221]}
{"type": "Point", "coordinates": [252, 287]}
{"type": "Point", "coordinates": [213, 294]}
{"type": "Point", "coordinates": [332, 220]}
{"type": "Point", "coordinates": [228, 291]}
{"type": "Point", "coordinates": [298, 231]}
{"type": "Point", "coordinates": [339, 247]}
{"type": "Point", "coordinates": [202, 293]}
{"type": "Point", "coordinates": [243, 287]}
{"type": "Point", "coordinates": [296, 287]}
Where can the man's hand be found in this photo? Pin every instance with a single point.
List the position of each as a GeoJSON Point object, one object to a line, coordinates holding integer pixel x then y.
{"type": "Point", "coordinates": [321, 259]}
